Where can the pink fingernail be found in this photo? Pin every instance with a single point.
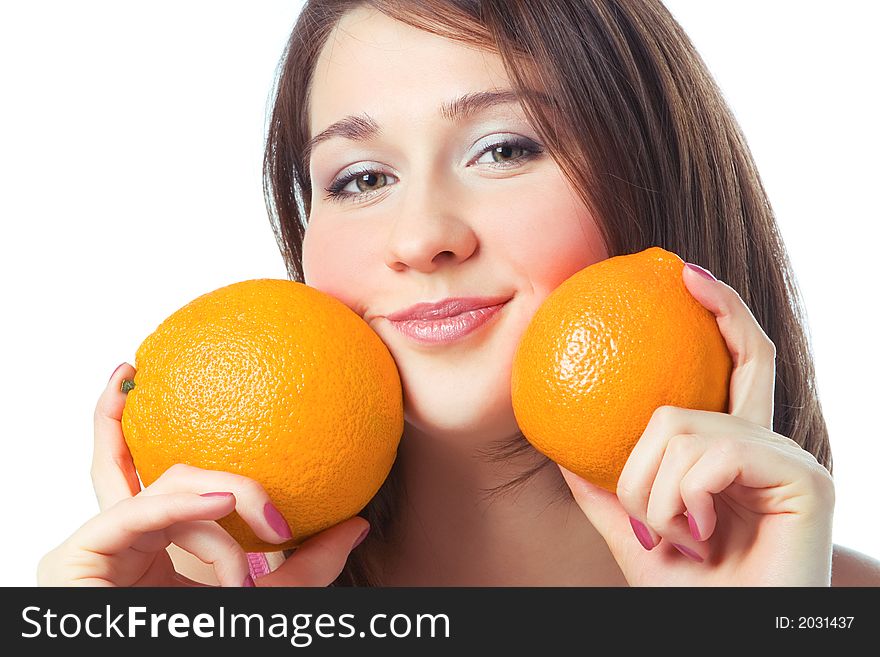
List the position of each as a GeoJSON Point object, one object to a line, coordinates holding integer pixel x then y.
{"type": "Point", "coordinates": [217, 494]}
{"type": "Point", "coordinates": [693, 525]}
{"type": "Point", "coordinates": [360, 539]}
{"type": "Point", "coordinates": [258, 564]}
{"type": "Point", "coordinates": [690, 554]}
{"type": "Point", "coordinates": [642, 534]}
{"type": "Point", "coordinates": [705, 273]}
{"type": "Point", "coordinates": [276, 521]}
{"type": "Point", "coordinates": [248, 581]}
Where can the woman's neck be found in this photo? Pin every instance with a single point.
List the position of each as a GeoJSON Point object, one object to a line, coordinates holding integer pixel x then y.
{"type": "Point", "coordinates": [449, 532]}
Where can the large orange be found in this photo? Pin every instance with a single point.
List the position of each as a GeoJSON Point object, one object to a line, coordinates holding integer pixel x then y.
{"type": "Point", "coordinates": [608, 346]}
{"type": "Point", "coordinates": [277, 381]}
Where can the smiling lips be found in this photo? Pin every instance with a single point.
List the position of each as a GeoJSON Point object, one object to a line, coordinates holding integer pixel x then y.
{"type": "Point", "coordinates": [447, 320]}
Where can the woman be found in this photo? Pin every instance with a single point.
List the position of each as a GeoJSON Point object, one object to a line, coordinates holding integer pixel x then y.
{"type": "Point", "coordinates": [427, 150]}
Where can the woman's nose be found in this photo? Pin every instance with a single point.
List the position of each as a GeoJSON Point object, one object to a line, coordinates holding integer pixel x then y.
{"type": "Point", "coordinates": [429, 231]}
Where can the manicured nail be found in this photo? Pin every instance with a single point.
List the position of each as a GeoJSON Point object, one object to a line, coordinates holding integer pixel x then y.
{"type": "Point", "coordinates": [690, 554]}
{"type": "Point", "coordinates": [360, 539]}
{"type": "Point", "coordinates": [258, 564]}
{"type": "Point", "coordinates": [276, 521]}
{"type": "Point", "coordinates": [217, 494]}
{"type": "Point", "coordinates": [705, 273]}
{"type": "Point", "coordinates": [118, 367]}
{"type": "Point", "coordinates": [248, 581]}
{"type": "Point", "coordinates": [693, 525]}
{"type": "Point", "coordinates": [642, 534]}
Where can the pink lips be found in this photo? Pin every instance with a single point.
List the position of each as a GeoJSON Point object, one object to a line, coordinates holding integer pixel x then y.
{"type": "Point", "coordinates": [446, 321]}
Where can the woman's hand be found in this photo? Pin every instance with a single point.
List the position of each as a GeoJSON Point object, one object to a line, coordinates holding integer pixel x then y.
{"type": "Point", "coordinates": [125, 544]}
{"type": "Point", "coordinates": [719, 499]}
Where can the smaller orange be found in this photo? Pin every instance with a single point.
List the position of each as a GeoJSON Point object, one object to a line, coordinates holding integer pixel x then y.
{"type": "Point", "coordinates": [608, 346]}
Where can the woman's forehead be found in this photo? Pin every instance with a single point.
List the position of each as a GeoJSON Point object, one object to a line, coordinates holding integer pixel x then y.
{"type": "Point", "coordinates": [372, 62]}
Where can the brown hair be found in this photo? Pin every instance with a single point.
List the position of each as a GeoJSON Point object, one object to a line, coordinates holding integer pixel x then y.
{"type": "Point", "coordinates": [640, 130]}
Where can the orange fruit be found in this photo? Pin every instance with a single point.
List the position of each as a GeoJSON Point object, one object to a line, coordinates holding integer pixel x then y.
{"type": "Point", "coordinates": [277, 381]}
{"type": "Point", "coordinates": [608, 346]}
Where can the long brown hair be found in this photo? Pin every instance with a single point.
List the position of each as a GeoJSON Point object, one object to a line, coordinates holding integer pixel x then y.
{"type": "Point", "coordinates": [641, 131]}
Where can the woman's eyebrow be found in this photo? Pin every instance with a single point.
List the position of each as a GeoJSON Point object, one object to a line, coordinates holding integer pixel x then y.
{"type": "Point", "coordinates": [364, 127]}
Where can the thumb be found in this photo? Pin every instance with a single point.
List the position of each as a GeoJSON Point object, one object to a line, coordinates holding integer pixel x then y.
{"type": "Point", "coordinates": [607, 515]}
{"type": "Point", "coordinates": [319, 560]}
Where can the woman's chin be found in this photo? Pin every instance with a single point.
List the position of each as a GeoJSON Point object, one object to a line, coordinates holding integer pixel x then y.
{"type": "Point", "coordinates": [460, 424]}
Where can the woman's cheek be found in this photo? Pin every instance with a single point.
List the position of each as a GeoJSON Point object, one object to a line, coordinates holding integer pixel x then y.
{"type": "Point", "coordinates": [548, 234]}
{"type": "Point", "coordinates": [333, 264]}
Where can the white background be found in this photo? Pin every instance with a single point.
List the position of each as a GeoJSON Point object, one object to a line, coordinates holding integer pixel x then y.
{"type": "Point", "coordinates": [131, 140]}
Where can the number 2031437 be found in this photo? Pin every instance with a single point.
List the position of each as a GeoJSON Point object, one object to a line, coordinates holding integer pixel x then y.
{"type": "Point", "coordinates": [814, 622]}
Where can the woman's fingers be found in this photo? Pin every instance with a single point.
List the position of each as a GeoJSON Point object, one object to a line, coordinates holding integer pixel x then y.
{"type": "Point", "coordinates": [319, 560]}
{"type": "Point", "coordinates": [685, 457]}
{"type": "Point", "coordinates": [113, 473]}
{"type": "Point", "coordinates": [252, 501]}
{"type": "Point", "coordinates": [753, 378]}
{"type": "Point", "coordinates": [664, 514]}
{"type": "Point", "coordinates": [705, 467]}
{"type": "Point", "coordinates": [214, 546]}
{"type": "Point", "coordinates": [640, 470]}
{"type": "Point", "coordinates": [769, 477]}
{"type": "Point", "coordinates": [204, 539]}
{"type": "Point", "coordinates": [121, 545]}
{"type": "Point", "coordinates": [135, 521]}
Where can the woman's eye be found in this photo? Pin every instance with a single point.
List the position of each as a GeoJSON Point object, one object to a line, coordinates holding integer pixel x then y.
{"type": "Point", "coordinates": [370, 181]}
{"type": "Point", "coordinates": [363, 182]}
{"type": "Point", "coordinates": [504, 154]}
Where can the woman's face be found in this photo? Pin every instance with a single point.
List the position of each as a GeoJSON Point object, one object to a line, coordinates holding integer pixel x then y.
{"type": "Point", "coordinates": [433, 212]}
